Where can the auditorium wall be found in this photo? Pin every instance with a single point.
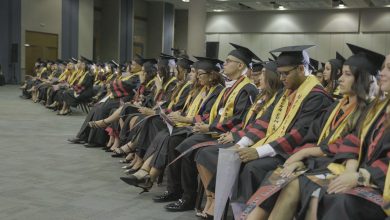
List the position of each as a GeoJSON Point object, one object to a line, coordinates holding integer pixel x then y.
{"type": "Point", "coordinates": [328, 29]}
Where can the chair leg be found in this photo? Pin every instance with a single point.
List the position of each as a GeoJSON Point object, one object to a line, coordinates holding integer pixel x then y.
{"type": "Point", "coordinates": [225, 211]}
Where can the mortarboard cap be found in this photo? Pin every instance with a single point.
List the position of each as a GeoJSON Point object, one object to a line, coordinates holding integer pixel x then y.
{"type": "Point", "coordinates": [114, 64]}
{"type": "Point", "coordinates": [274, 57]}
{"type": "Point", "coordinates": [271, 66]}
{"type": "Point", "coordinates": [208, 64]}
{"type": "Point", "coordinates": [314, 64]}
{"type": "Point", "coordinates": [244, 54]}
{"type": "Point", "coordinates": [292, 55]}
{"type": "Point", "coordinates": [365, 59]}
{"type": "Point", "coordinates": [257, 67]}
{"type": "Point", "coordinates": [138, 59]}
{"type": "Point", "coordinates": [340, 57]}
{"type": "Point", "coordinates": [185, 63]}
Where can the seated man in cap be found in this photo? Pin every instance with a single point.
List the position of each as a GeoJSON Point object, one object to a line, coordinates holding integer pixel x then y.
{"type": "Point", "coordinates": [269, 140]}
{"type": "Point", "coordinates": [229, 110]}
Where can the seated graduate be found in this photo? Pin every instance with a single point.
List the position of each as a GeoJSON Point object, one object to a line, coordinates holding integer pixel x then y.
{"type": "Point", "coordinates": [57, 81]}
{"type": "Point", "coordinates": [92, 132]}
{"type": "Point", "coordinates": [196, 109]}
{"type": "Point", "coordinates": [325, 132]}
{"type": "Point", "coordinates": [207, 158]}
{"type": "Point", "coordinates": [270, 139]}
{"type": "Point", "coordinates": [331, 192]}
{"type": "Point", "coordinates": [332, 72]}
{"type": "Point", "coordinates": [141, 136]}
{"type": "Point", "coordinates": [229, 110]}
{"type": "Point", "coordinates": [82, 90]}
{"type": "Point", "coordinates": [41, 73]}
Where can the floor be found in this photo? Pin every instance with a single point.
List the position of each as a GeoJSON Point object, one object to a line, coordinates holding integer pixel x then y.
{"type": "Point", "coordinates": [44, 177]}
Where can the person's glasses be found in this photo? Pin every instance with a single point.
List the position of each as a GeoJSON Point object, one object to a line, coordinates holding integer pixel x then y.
{"type": "Point", "coordinates": [286, 73]}
{"type": "Point", "coordinates": [229, 61]}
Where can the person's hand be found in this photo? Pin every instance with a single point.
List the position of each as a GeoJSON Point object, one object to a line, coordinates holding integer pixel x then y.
{"type": "Point", "coordinates": [175, 116]}
{"type": "Point", "coordinates": [248, 154]}
{"type": "Point", "coordinates": [146, 111]}
{"type": "Point", "coordinates": [289, 169]}
{"type": "Point", "coordinates": [226, 138]}
{"type": "Point", "coordinates": [343, 182]}
{"type": "Point", "coordinates": [200, 127]}
{"type": "Point", "coordinates": [296, 157]}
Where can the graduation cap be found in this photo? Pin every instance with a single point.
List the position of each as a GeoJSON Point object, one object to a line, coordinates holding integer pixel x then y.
{"type": "Point", "coordinates": [271, 66]}
{"type": "Point", "coordinates": [340, 57]}
{"type": "Point", "coordinates": [123, 67]}
{"type": "Point", "coordinates": [138, 59]}
{"type": "Point", "coordinates": [185, 63]}
{"type": "Point", "coordinates": [149, 63]}
{"type": "Point", "coordinates": [244, 54]}
{"type": "Point", "coordinates": [151, 60]}
{"type": "Point", "coordinates": [165, 59]}
{"type": "Point", "coordinates": [86, 60]}
{"type": "Point", "coordinates": [208, 64]}
{"type": "Point", "coordinates": [114, 64]}
{"type": "Point", "coordinates": [314, 64]}
{"type": "Point", "coordinates": [274, 57]}
{"type": "Point", "coordinates": [257, 67]}
{"type": "Point", "coordinates": [365, 59]}
{"type": "Point", "coordinates": [292, 55]}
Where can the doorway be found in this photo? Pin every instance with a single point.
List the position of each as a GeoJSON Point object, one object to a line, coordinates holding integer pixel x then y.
{"type": "Point", "coordinates": [40, 45]}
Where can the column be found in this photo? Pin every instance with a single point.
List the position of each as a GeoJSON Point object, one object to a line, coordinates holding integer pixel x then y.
{"type": "Point", "coordinates": [126, 29]}
{"type": "Point", "coordinates": [70, 29]}
{"type": "Point", "coordinates": [196, 42]}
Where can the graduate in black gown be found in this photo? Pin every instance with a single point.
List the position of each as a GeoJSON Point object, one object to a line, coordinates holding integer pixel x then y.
{"type": "Point", "coordinates": [335, 172]}
{"type": "Point", "coordinates": [207, 157]}
{"type": "Point", "coordinates": [82, 90]}
{"type": "Point", "coordinates": [92, 132]}
{"type": "Point", "coordinates": [196, 109]}
{"type": "Point", "coordinates": [269, 140]}
{"type": "Point", "coordinates": [325, 132]}
{"type": "Point", "coordinates": [229, 110]}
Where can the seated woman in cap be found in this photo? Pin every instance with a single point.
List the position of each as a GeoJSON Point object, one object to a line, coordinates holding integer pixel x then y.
{"type": "Point", "coordinates": [82, 89]}
{"type": "Point", "coordinates": [207, 158]}
{"type": "Point", "coordinates": [332, 72]}
{"type": "Point", "coordinates": [197, 108]}
{"type": "Point", "coordinates": [94, 132]}
{"type": "Point", "coordinates": [326, 160]}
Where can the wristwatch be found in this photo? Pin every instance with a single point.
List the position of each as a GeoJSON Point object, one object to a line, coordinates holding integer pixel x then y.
{"type": "Point", "coordinates": [361, 179]}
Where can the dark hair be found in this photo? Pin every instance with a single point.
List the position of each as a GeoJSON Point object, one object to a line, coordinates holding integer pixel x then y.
{"type": "Point", "coordinates": [163, 71]}
{"type": "Point", "coordinates": [360, 88]}
{"type": "Point", "coordinates": [216, 78]}
{"type": "Point", "coordinates": [272, 80]}
{"type": "Point", "coordinates": [334, 76]}
{"type": "Point", "coordinates": [150, 70]}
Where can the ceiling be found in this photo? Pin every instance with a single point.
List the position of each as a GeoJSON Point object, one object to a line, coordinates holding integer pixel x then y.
{"type": "Point", "coordinates": [239, 5]}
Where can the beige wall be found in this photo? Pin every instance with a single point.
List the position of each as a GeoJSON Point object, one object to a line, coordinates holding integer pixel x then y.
{"type": "Point", "coordinates": [42, 16]}
{"type": "Point", "coordinates": [327, 44]}
{"type": "Point", "coordinates": [366, 27]}
{"type": "Point", "coordinates": [86, 28]}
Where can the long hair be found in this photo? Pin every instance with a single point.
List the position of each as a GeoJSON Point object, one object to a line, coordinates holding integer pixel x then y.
{"type": "Point", "coordinates": [360, 88]}
{"type": "Point", "coordinates": [273, 85]}
{"type": "Point", "coordinates": [332, 84]}
{"type": "Point", "coordinates": [150, 70]}
{"type": "Point", "coordinates": [163, 72]}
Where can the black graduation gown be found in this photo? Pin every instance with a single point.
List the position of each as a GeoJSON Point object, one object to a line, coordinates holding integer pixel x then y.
{"type": "Point", "coordinates": [252, 173]}
{"type": "Point", "coordinates": [150, 126]}
{"type": "Point", "coordinates": [84, 96]}
{"type": "Point", "coordinates": [188, 165]}
{"type": "Point", "coordinates": [345, 206]}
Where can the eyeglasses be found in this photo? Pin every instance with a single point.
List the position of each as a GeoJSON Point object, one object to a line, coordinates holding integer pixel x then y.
{"type": "Point", "coordinates": [229, 61]}
{"type": "Point", "coordinates": [286, 73]}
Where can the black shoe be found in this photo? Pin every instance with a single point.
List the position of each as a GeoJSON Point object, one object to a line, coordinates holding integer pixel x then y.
{"type": "Point", "coordinates": [144, 183]}
{"type": "Point", "coordinates": [180, 205]}
{"type": "Point", "coordinates": [76, 141]}
{"type": "Point", "coordinates": [90, 145]}
{"type": "Point", "coordinates": [167, 197]}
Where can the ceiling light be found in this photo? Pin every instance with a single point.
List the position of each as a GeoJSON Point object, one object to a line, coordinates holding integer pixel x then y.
{"type": "Point", "coordinates": [341, 5]}
{"type": "Point", "coordinates": [281, 7]}
{"type": "Point", "coordinates": [186, 0]}
{"type": "Point", "coordinates": [217, 10]}
{"type": "Point", "coordinates": [27, 45]}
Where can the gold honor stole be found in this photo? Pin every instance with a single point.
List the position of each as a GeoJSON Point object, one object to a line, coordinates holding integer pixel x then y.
{"type": "Point", "coordinates": [150, 83]}
{"type": "Point", "coordinates": [386, 194]}
{"type": "Point", "coordinates": [63, 75]}
{"type": "Point", "coordinates": [168, 83]}
{"type": "Point", "coordinates": [260, 113]}
{"type": "Point", "coordinates": [131, 76]}
{"type": "Point", "coordinates": [196, 104]}
{"type": "Point", "coordinates": [340, 128]}
{"type": "Point", "coordinates": [176, 100]}
{"type": "Point", "coordinates": [76, 77]}
{"type": "Point", "coordinates": [228, 108]}
{"type": "Point", "coordinates": [40, 73]}
{"type": "Point", "coordinates": [279, 120]}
